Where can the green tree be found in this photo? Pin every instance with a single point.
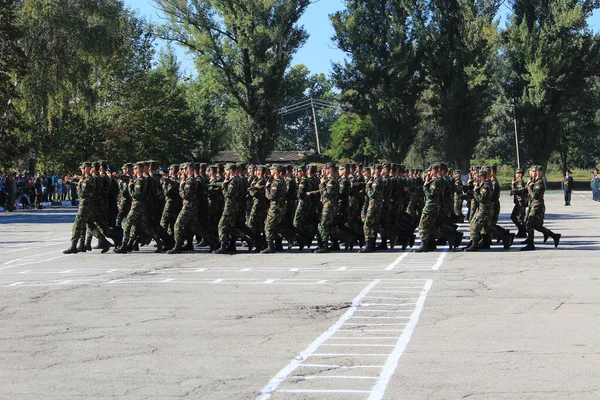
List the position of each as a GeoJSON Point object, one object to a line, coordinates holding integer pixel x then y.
{"type": "Point", "coordinates": [72, 47]}
{"type": "Point", "coordinates": [382, 78]}
{"type": "Point", "coordinates": [250, 44]}
{"type": "Point", "coordinates": [462, 49]}
{"type": "Point", "coordinates": [351, 139]}
{"type": "Point", "coordinates": [552, 54]}
{"type": "Point", "coordinates": [12, 70]}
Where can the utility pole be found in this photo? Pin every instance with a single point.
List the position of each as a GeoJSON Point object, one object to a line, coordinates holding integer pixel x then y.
{"type": "Point", "coordinates": [312, 105]}
{"type": "Point", "coordinates": [516, 132]}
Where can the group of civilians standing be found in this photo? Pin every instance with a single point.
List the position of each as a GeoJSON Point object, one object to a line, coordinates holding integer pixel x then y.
{"type": "Point", "coordinates": [30, 191]}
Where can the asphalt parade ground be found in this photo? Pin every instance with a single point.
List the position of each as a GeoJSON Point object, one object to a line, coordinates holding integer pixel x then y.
{"type": "Point", "coordinates": [395, 325]}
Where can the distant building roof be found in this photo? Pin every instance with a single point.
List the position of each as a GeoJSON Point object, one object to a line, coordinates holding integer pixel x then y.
{"type": "Point", "coordinates": [277, 156]}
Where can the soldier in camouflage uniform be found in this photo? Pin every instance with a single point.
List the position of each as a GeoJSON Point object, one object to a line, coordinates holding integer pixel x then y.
{"type": "Point", "coordinates": [537, 209]}
{"type": "Point", "coordinates": [215, 200]}
{"type": "Point", "coordinates": [519, 193]}
{"type": "Point", "coordinates": [100, 208]}
{"type": "Point", "coordinates": [428, 225]}
{"type": "Point", "coordinates": [124, 196]}
{"type": "Point", "coordinates": [84, 218]}
{"type": "Point", "coordinates": [481, 220]}
{"type": "Point", "coordinates": [356, 195]}
{"type": "Point", "coordinates": [188, 216]}
{"type": "Point", "coordinates": [302, 217]}
{"type": "Point", "coordinates": [345, 184]}
{"type": "Point", "coordinates": [173, 201]}
{"type": "Point", "coordinates": [231, 188]}
{"type": "Point", "coordinates": [458, 196]}
{"type": "Point", "coordinates": [260, 205]}
{"type": "Point", "coordinates": [373, 207]}
{"type": "Point", "coordinates": [134, 220]}
{"type": "Point", "coordinates": [329, 189]}
{"type": "Point", "coordinates": [276, 192]}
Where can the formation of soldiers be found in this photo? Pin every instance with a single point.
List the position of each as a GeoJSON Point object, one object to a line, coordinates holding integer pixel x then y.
{"type": "Point", "coordinates": [346, 205]}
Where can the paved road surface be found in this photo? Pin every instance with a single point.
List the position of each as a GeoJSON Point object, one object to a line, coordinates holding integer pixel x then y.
{"type": "Point", "coordinates": [394, 325]}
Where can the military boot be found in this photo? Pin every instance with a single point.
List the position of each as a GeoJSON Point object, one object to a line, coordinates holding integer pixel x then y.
{"type": "Point", "coordinates": [178, 249]}
{"type": "Point", "coordinates": [383, 244]}
{"type": "Point", "coordinates": [458, 238]}
{"type": "Point", "coordinates": [222, 249]}
{"type": "Point", "coordinates": [279, 244]}
{"type": "Point", "coordinates": [474, 247]}
{"type": "Point", "coordinates": [506, 240]}
{"type": "Point", "coordinates": [485, 242]}
{"type": "Point", "coordinates": [159, 245]}
{"type": "Point", "coordinates": [556, 237]}
{"type": "Point", "coordinates": [72, 249]}
{"type": "Point", "coordinates": [335, 246]}
{"type": "Point", "coordinates": [369, 246]}
{"type": "Point", "coordinates": [270, 248]}
{"type": "Point", "coordinates": [81, 247]}
{"type": "Point", "coordinates": [530, 246]}
{"type": "Point", "coordinates": [88, 244]}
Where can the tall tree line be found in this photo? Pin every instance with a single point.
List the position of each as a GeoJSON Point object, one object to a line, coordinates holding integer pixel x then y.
{"type": "Point", "coordinates": [441, 79]}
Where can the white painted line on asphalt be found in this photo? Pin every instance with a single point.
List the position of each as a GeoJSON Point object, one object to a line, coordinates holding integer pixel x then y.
{"type": "Point", "coordinates": [266, 392]}
{"type": "Point", "coordinates": [65, 282]}
{"type": "Point", "coordinates": [341, 269]}
{"type": "Point", "coordinates": [67, 271]}
{"type": "Point", "coordinates": [395, 263]}
{"type": "Point", "coordinates": [310, 377]}
{"type": "Point", "coordinates": [246, 270]}
{"type": "Point", "coordinates": [15, 284]}
{"type": "Point", "coordinates": [395, 298]}
{"type": "Point", "coordinates": [167, 280]}
{"type": "Point", "coordinates": [24, 272]}
{"type": "Point", "coordinates": [340, 366]}
{"type": "Point", "coordinates": [26, 257]}
{"type": "Point", "coordinates": [218, 280]}
{"type": "Point", "coordinates": [371, 330]}
{"type": "Point", "coordinates": [387, 304]}
{"type": "Point", "coordinates": [440, 260]}
{"type": "Point", "coordinates": [324, 391]}
{"type": "Point", "coordinates": [200, 270]}
{"type": "Point", "coordinates": [393, 291]}
{"type": "Point", "coordinates": [269, 281]}
{"type": "Point", "coordinates": [347, 355]}
{"type": "Point", "coordinates": [321, 282]}
{"type": "Point", "coordinates": [36, 262]}
{"type": "Point", "coordinates": [384, 311]}
{"type": "Point", "coordinates": [358, 345]}
{"type": "Point", "coordinates": [294, 269]}
{"type": "Point", "coordinates": [375, 324]}
{"type": "Point", "coordinates": [392, 361]}
{"type": "Point", "coordinates": [364, 338]}
{"type": "Point", "coordinates": [372, 317]}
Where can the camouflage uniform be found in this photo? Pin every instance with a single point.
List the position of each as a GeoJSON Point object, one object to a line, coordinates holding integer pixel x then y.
{"type": "Point", "coordinates": [373, 205]}
{"type": "Point", "coordinates": [125, 199]}
{"type": "Point", "coordinates": [330, 192]}
{"type": "Point", "coordinates": [231, 208]}
{"type": "Point", "coordinates": [519, 192]}
{"type": "Point", "coordinates": [481, 221]}
{"type": "Point", "coordinates": [276, 191]}
{"type": "Point", "coordinates": [258, 211]}
{"type": "Point", "coordinates": [432, 210]}
{"type": "Point", "coordinates": [173, 205]}
{"type": "Point", "coordinates": [302, 218]}
{"type": "Point", "coordinates": [188, 216]}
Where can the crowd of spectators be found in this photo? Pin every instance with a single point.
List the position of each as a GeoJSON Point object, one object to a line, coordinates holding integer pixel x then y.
{"type": "Point", "coordinates": [25, 190]}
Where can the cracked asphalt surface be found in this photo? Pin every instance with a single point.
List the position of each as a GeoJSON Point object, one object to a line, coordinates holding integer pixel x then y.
{"type": "Point", "coordinates": [495, 325]}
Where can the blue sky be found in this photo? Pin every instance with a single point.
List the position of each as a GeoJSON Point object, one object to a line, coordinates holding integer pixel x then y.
{"type": "Point", "coordinates": [318, 53]}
